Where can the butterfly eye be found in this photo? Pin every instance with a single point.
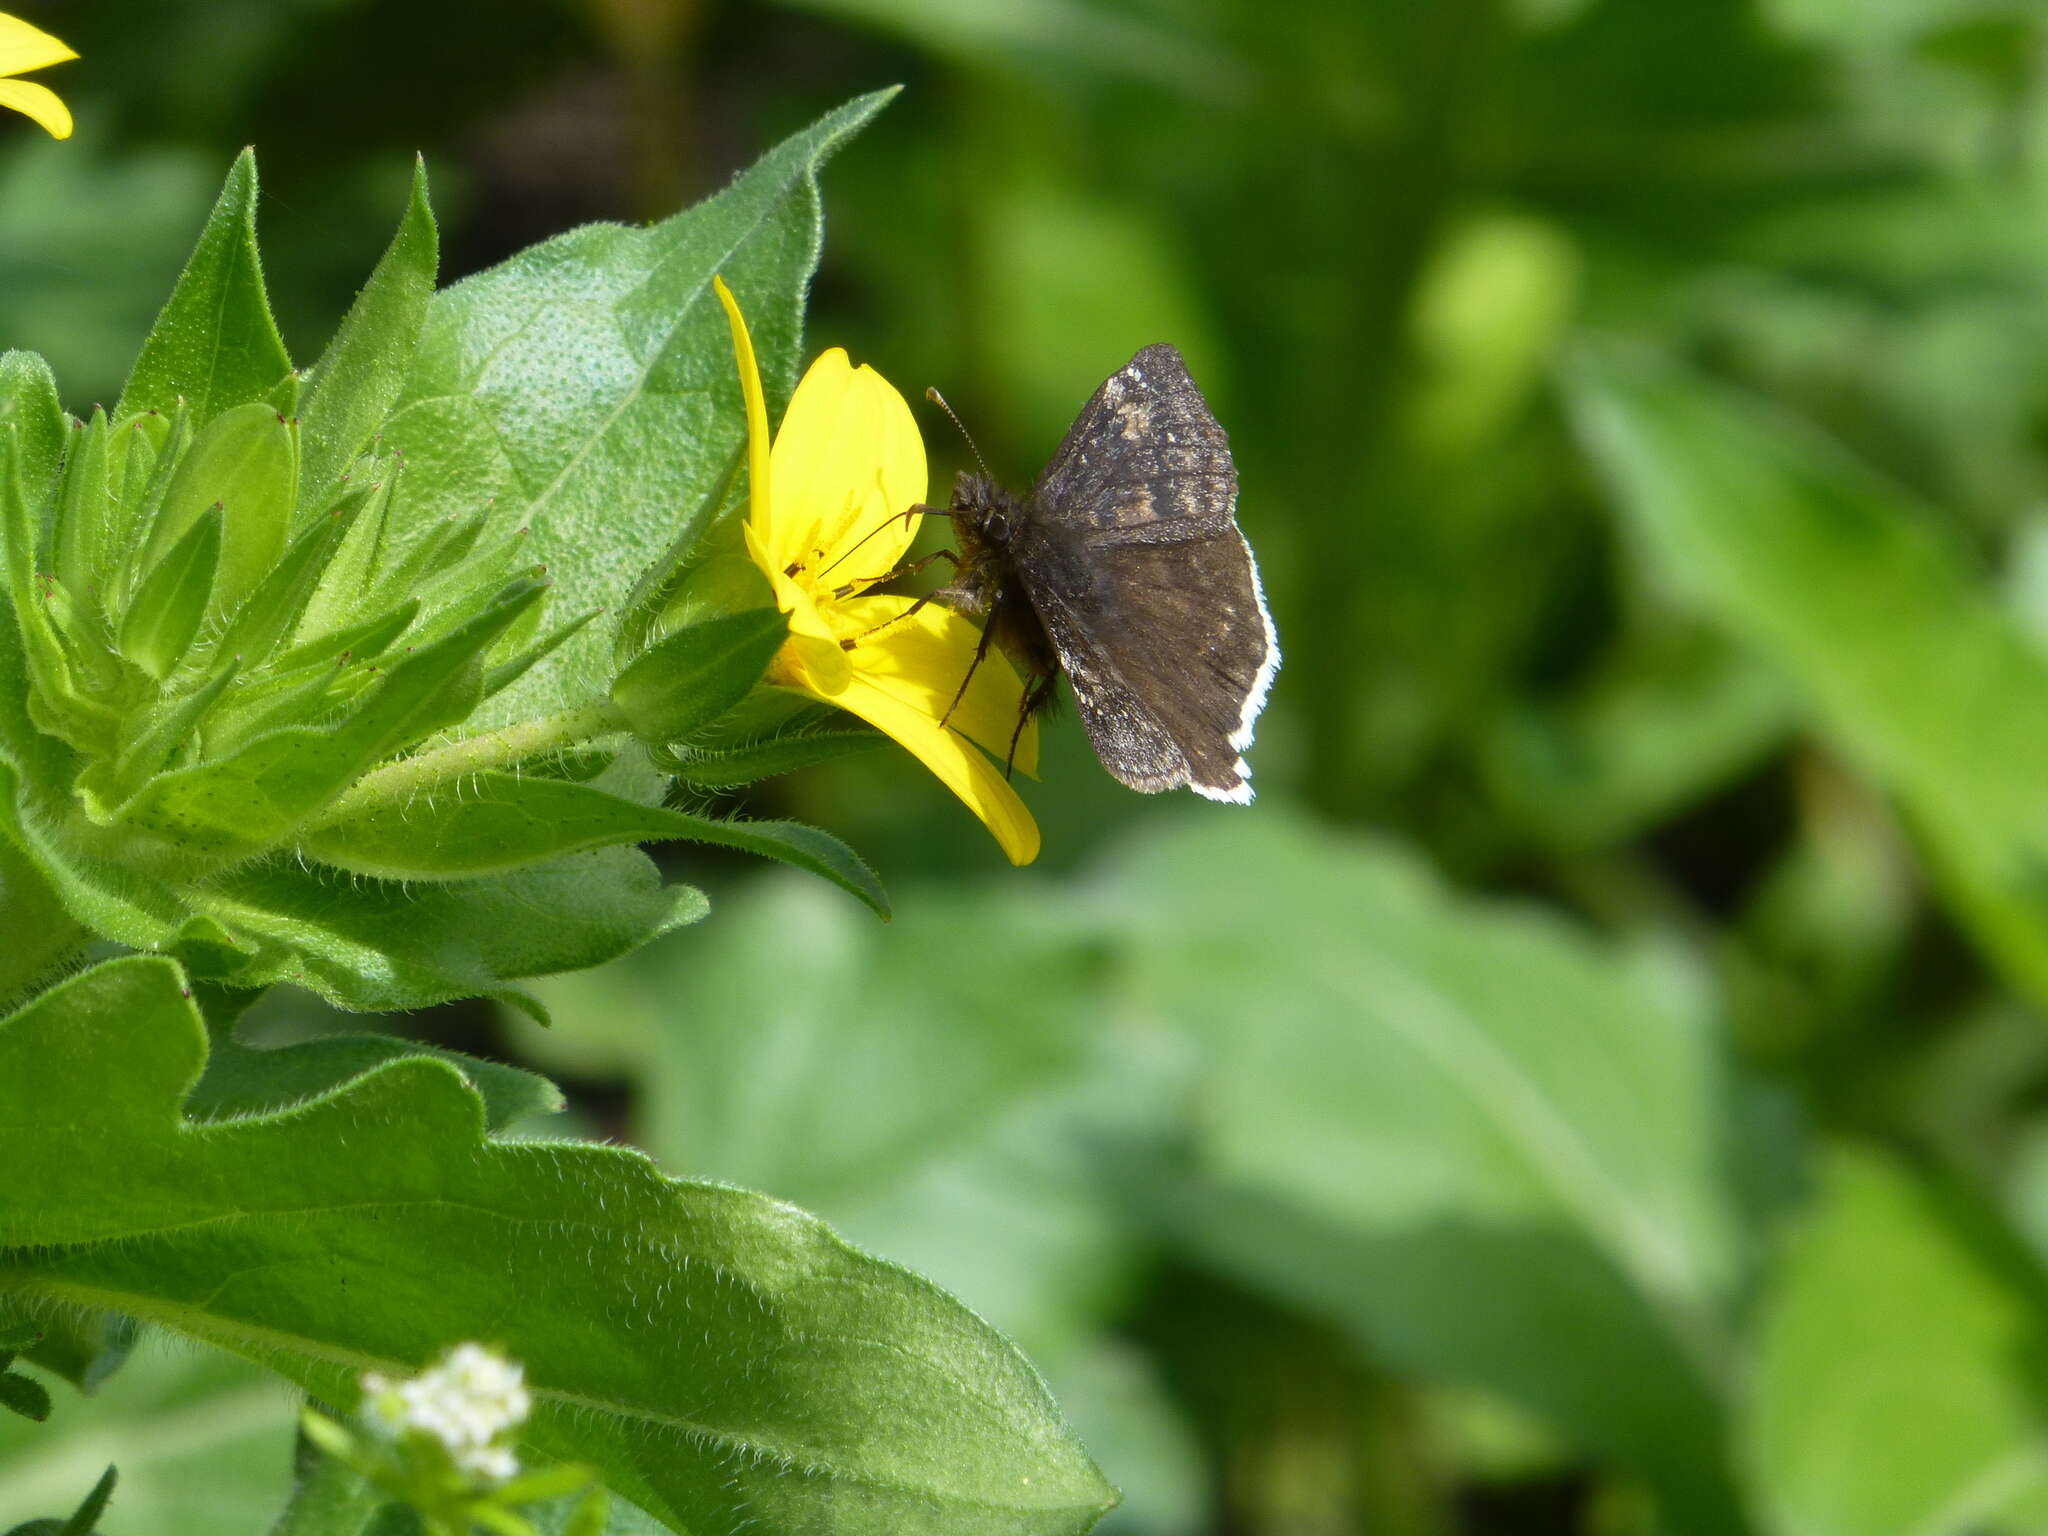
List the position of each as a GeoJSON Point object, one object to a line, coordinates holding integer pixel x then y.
{"type": "Point", "coordinates": [996, 526]}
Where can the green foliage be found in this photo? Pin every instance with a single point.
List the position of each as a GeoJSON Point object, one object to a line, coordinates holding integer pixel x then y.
{"type": "Point", "coordinates": [1598, 1088]}
{"type": "Point", "coordinates": [221, 653]}
{"type": "Point", "coordinates": [688, 679]}
{"type": "Point", "coordinates": [228, 1468]}
{"type": "Point", "coordinates": [1456, 1100]}
{"type": "Point", "coordinates": [1895, 1296]}
{"type": "Point", "coordinates": [20, 1394]}
{"type": "Point", "coordinates": [83, 1521]}
{"type": "Point", "coordinates": [1856, 594]}
{"type": "Point", "coordinates": [364, 368]}
{"type": "Point", "coordinates": [586, 387]}
{"type": "Point", "coordinates": [215, 344]}
{"type": "Point", "coordinates": [367, 1226]}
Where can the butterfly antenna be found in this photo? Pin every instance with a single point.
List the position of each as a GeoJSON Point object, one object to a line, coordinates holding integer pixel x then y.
{"type": "Point", "coordinates": [940, 401]}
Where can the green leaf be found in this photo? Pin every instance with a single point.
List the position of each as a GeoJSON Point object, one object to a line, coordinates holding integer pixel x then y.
{"type": "Point", "coordinates": [329, 1497]}
{"type": "Point", "coordinates": [378, 946]}
{"type": "Point", "coordinates": [361, 944]}
{"type": "Point", "coordinates": [215, 344]}
{"type": "Point", "coordinates": [687, 679]}
{"type": "Point", "coordinates": [586, 387]}
{"type": "Point", "coordinates": [203, 1441]}
{"type": "Point", "coordinates": [24, 1396]}
{"type": "Point", "coordinates": [1485, 1142]}
{"type": "Point", "coordinates": [720, 1357]}
{"type": "Point", "coordinates": [164, 616]}
{"type": "Point", "coordinates": [85, 1519]}
{"type": "Point", "coordinates": [251, 800]}
{"type": "Point", "coordinates": [359, 376]}
{"type": "Point", "coordinates": [242, 1080]}
{"type": "Point", "coordinates": [80, 542]}
{"type": "Point", "coordinates": [244, 461]}
{"type": "Point", "coordinates": [1861, 599]}
{"type": "Point", "coordinates": [344, 592]}
{"type": "Point", "coordinates": [1897, 1386]}
{"type": "Point", "coordinates": [55, 705]}
{"type": "Point", "coordinates": [953, 1125]}
{"type": "Point", "coordinates": [85, 1351]}
{"type": "Point", "coordinates": [720, 769]}
{"type": "Point", "coordinates": [152, 738]}
{"type": "Point", "coordinates": [501, 822]}
{"type": "Point", "coordinates": [262, 623]}
{"type": "Point", "coordinates": [115, 900]}
{"type": "Point", "coordinates": [28, 402]}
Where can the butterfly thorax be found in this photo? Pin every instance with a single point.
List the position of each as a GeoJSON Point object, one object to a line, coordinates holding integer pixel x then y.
{"type": "Point", "coordinates": [986, 583]}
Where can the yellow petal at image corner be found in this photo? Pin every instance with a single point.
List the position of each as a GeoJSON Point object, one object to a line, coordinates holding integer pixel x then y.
{"type": "Point", "coordinates": [848, 462]}
{"type": "Point", "coordinates": [38, 103]}
{"type": "Point", "coordinates": [922, 659]}
{"type": "Point", "coordinates": [952, 759]}
{"type": "Point", "coordinates": [24, 48]}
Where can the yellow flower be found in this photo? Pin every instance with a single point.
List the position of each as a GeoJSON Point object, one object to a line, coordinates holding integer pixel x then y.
{"type": "Point", "coordinates": [23, 48]}
{"type": "Point", "coordinates": [844, 468]}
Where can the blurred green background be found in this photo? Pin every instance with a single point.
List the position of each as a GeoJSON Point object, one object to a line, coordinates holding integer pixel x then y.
{"type": "Point", "coordinates": [1602, 1085]}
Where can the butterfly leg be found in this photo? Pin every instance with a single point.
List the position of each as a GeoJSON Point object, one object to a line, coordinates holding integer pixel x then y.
{"type": "Point", "coordinates": [1036, 697]}
{"type": "Point", "coordinates": [909, 569]}
{"type": "Point", "coordinates": [988, 633]}
{"type": "Point", "coordinates": [891, 623]}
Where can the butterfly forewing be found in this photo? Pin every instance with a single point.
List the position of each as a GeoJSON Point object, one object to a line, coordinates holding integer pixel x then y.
{"type": "Point", "coordinates": [1145, 459]}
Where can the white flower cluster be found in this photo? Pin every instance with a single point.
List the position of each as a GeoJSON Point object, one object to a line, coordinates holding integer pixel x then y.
{"type": "Point", "coordinates": [469, 1401]}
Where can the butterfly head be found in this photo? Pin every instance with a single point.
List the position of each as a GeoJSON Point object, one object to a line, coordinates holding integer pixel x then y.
{"type": "Point", "coordinates": [984, 514]}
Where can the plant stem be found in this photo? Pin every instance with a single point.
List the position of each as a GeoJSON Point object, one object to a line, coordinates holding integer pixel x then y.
{"type": "Point", "coordinates": [396, 784]}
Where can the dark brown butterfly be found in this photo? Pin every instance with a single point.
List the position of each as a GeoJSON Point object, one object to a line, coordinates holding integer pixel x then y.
{"type": "Point", "coordinates": [1125, 568]}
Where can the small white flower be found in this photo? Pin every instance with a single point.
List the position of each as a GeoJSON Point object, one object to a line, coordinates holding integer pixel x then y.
{"type": "Point", "coordinates": [469, 1401]}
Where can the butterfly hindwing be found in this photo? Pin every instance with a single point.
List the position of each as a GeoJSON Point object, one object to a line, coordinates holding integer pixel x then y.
{"type": "Point", "coordinates": [1165, 645]}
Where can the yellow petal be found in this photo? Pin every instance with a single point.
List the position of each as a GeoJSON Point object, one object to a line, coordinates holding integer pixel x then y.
{"type": "Point", "coordinates": [23, 48]}
{"type": "Point", "coordinates": [956, 763]}
{"type": "Point", "coordinates": [758, 488]}
{"type": "Point", "coordinates": [922, 661]}
{"type": "Point", "coordinates": [848, 463]}
{"type": "Point", "coordinates": [820, 666]}
{"type": "Point", "coordinates": [38, 102]}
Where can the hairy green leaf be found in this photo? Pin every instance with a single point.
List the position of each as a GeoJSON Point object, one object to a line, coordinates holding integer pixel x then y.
{"type": "Point", "coordinates": [241, 1080]}
{"type": "Point", "coordinates": [164, 616]}
{"type": "Point", "coordinates": [251, 800]}
{"type": "Point", "coordinates": [586, 387]}
{"type": "Point", "coordinates": [377, 945]}
{"type": "Point", "coordinates": [245, 462]}
{"type": "Point", "coordinates": [687, 679]}
{"type": "Point", "coordinates": [80, 540]}
{"type": "Point", "coordinates": [364, 367]}
{"type": "Point", "coordinates": [500, 821]}
{"type": "Point", "coordinates": [718, 768]}
{"type": "Point", "coordinates": [28, 403]}
{"type": "Point", "coordinates": [722, 1358]}
{"type": "Point", "coordinates": [215, 344]}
